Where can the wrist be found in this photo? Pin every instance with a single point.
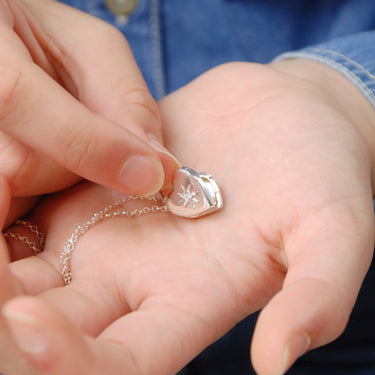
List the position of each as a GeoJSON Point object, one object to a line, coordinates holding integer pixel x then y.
{"type": "Point", "coordinates": [341, 93]}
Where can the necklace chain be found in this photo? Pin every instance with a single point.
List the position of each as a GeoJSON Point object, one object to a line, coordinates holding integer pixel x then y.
{"type": "Point", "coordinates": [25, 240]}
{"type": "Point", "coordinates": [114, 209]}
{"type": "Point", "coordinates": [182, 203]}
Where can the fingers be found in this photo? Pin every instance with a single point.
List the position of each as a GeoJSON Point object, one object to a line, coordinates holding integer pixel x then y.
{"type": "Point", "coordinates": [91, 307]}
{"type": "Point", "coordinates": [8, 288]}
{"type": "Point", "coordinates": [4, 200]}
{"type": "Point", "coordinates": [87, 138]}
{"type": "Point", "coordinates": [10, 361]}
{"type": "Point", "coordinates": [328, 260]}
{"type": "Point", "coordinates": [299, 319]}
{"type": "Point", "coordinates": [30, 173]}
{"type": "Point", "coordinates": [161, 339]}
{"type": "Point", "coordinates": [112, 86]}
{"type": "Point", "coordinates": [53, 346]}
{"type": "Point", "coordinates": [157, 341]}
{"type": "Point", "coordinates": [20, 207]}
{"type": "Point", "coordinates": [82, 141]}
{"type": "Point", "coordinates": [24, 271]}
{"type": "Point", "coordinates": [88, 304]}
{"type": "Point", "coordinates": [29, 322]}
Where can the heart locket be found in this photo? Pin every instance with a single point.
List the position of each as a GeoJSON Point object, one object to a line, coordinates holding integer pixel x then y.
{"type": "Point", "coordinates": [194, 194]}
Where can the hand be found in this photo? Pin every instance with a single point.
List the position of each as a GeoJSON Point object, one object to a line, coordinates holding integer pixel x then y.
{"type": "Point", "coordinates": [295, 236]}
{"type": "Point", "coordinates": [73, 103]}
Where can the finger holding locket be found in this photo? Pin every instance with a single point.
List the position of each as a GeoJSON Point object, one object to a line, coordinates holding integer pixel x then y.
{"type": "Point", "coordinates": [78, 291]}
{"type": "Point", "coordinates": [193, 195]}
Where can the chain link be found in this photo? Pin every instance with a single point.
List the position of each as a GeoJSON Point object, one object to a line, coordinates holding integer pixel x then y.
{"type": "Point", "coordinates": [206, 183]}
{"type": "Point", "coordinates": [114, 209]}
{"type": "Point", "coordinates": [25, 240]}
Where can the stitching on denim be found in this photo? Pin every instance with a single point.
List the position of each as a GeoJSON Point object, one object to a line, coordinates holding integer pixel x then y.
{"type": "Point", "coordinates": [335, 53]}
{"type": "Point", "coordinates": [349, 72]}
{"type": "Point", "coordinates": [313, 53]}
{"type": "Point", "coordinates": [157, 50]}
{"type": "Point", "coordinates": [91, 6]}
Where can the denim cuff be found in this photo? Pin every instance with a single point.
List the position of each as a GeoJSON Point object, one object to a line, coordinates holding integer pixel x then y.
{"type": "Point", "coordinates": [353, 56]}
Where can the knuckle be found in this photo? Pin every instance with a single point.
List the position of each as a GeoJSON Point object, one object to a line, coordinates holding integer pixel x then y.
{"type": "Point", "coordinates": [79, 147]}
{"type": "Point", "coordinates": [141, 100]}
{"type": "Point", "coordinates": [107, 34]}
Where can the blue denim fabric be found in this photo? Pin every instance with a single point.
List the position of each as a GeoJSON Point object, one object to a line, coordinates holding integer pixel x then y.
{"type": "Point", "coordinates": [353, 56]}
{"type": "Point", "coordinates": [175, 41]}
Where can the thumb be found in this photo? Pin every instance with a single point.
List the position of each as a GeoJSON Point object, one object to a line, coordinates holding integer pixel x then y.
{"type": "Point", "coordinates": [81, 132]}
{"type": "Point", "coordinates": [328, 261]}
{"type": "Point", "coordinates": [112, 86]}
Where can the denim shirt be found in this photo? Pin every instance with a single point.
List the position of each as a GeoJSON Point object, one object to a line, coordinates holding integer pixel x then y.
{"type": "Point", "coordinates": [174, 41]}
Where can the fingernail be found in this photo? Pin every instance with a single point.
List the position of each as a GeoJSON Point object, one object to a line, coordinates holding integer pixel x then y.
{"type": "Point", "coordinates": [26, 331]}
{"type": "Point", "coordinates": [295, 348]}
{"type": "Point", "coordinates": [158, 147]}
{"type": "Point", "coordinates": [142, 175]}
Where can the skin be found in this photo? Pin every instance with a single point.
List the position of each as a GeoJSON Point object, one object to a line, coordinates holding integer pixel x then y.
{"type": "Point", "coordinates": [295, 237]}
{"type": "Point", "coordinates": [56, 126]}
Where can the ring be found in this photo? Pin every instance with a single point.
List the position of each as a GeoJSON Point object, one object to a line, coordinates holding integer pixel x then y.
{"type": "Point", "coordinates": [194, 194]}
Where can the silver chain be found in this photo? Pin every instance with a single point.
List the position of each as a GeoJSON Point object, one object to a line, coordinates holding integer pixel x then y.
{"type": "Point", "coordinates": [114, 209]}
{"type": "Point", "coordinates": [25, 240]}
{"type": "Point", "coordinates": [179, 204]}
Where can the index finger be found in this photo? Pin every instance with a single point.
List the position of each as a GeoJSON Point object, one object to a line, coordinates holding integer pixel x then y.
{"type": "Point", "coordinates": [40, 113]}
{"type": "Point", "coordinates": [53, 122]}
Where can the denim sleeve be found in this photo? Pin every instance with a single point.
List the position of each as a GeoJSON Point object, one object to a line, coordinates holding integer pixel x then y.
{"type": "Point", "coordinates": [353, 56]}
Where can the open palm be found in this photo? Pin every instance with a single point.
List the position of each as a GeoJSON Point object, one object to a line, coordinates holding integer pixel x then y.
{"type": "Point", "coordinates": [294, 237]}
